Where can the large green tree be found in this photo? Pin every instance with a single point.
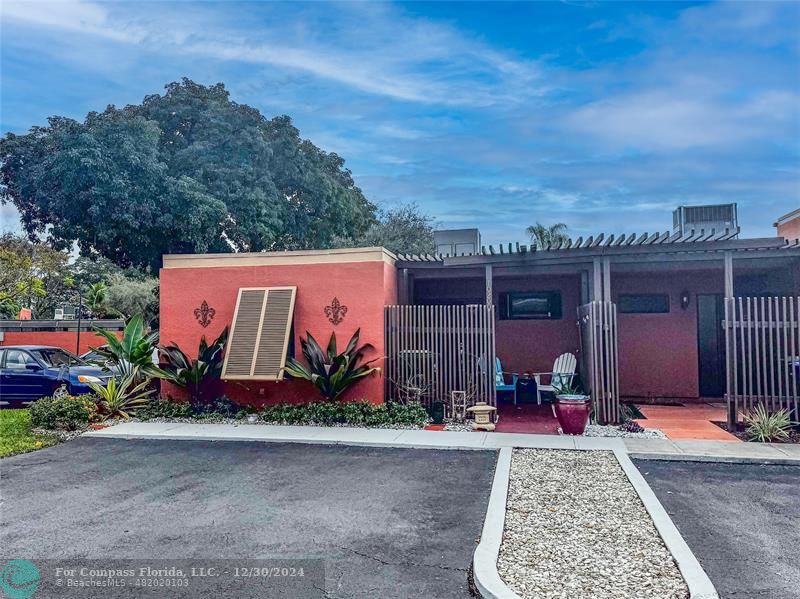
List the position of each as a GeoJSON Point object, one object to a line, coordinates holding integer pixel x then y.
{"type": "Point", "coordinates": [403, 230]}
{"type": "Point", "coordinates": [186, 171]}
{"type": "Point", "coordinates": [33, 275]}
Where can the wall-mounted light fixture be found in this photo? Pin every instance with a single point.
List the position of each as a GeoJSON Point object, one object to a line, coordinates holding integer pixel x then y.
{"type": "Point", "coordinates": [685, 299]}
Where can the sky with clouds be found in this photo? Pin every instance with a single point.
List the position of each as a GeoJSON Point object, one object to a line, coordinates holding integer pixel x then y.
{"type": "Point", "coordinates": [603, 115]}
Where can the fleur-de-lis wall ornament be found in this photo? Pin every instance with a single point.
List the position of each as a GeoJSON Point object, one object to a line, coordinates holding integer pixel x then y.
{"type": "Point", "coordinates": [204, 314]}
{"type": "Point", "coordinates": [335, 312]}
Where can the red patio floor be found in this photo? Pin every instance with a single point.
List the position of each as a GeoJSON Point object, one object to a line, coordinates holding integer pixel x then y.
{"type": "Point", "coordinates": [526, 418]}
{"type": "Point", "coordinates": [690, 421]}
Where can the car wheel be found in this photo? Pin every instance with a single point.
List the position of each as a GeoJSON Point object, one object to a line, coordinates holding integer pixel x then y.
{"type": "Point", "coordinates": [61, 392]}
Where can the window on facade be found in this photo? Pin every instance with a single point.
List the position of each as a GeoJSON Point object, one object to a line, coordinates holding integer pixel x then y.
{"type": "Point", "coordinates": [643, 303]}
{"type": "Point", "coordinates": [260, 334]}
{"type": "Point", "coordinates": [534, 305]}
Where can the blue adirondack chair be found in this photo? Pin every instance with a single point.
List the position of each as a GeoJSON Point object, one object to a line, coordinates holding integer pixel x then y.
{"type": "Point", "coordinates": [500, 383]}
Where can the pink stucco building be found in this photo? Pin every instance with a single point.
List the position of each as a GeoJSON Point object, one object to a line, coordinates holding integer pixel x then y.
{"type": "Point", "coordinates": [668, 290]}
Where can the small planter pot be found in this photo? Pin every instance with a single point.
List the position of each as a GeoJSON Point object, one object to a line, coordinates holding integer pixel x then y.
{"type": "Point", "coordinates": [437, 412]}
{"type": "Point", "coordinates": [572, 412]}
{"type": "Point", "coordinates": [434, 427]}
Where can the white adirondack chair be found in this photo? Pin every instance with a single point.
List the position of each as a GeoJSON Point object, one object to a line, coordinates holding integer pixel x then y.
{"type": "Point", "coordinates": [562, 374]}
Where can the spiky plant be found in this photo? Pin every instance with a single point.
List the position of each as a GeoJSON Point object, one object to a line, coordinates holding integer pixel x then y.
{"type": "Point", "coordinates": [194, 374]}
{"type": "Point", "coordinates": [330, 371]}
{"type": "Point", "coordinates": [123, 398]}
{"type": "Point", "coordinates": [767, 427]}
{"type": "Point", "coordinates": [133, 354]}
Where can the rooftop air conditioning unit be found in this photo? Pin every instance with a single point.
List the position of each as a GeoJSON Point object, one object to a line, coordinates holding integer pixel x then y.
{"type": "Point", "coordinates": [686, 219]}
{"type": "Point", "coordinates": [457, 242]}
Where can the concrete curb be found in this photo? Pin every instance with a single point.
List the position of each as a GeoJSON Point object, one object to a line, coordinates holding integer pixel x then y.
{"type": "Point", "coordinates": [685, 457]}
{"type": "Point", "coordinates": [484, 561]}
{"type": "Point", "coordinates": [700, 585]}
{"type": "Point", "coordinates": [409, 438]}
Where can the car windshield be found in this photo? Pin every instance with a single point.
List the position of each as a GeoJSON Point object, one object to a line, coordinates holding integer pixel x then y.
{"type": "Point", "coordinates": [57, 357]}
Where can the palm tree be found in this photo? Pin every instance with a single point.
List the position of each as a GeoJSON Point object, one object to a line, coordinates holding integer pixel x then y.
{"type": "Point", "coordinates": [97, 296]}
{"type": "Point", "coordinates": [542, 236]}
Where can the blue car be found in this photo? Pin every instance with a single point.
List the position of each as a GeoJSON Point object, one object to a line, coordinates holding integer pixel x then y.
{"type": "Point", "coordinates": [28, 372]}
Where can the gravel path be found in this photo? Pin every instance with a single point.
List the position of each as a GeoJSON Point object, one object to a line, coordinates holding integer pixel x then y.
{"type": "Point", "coordinates": [575, 528]}
{"type": "Point", "coordinates": [597, 430]}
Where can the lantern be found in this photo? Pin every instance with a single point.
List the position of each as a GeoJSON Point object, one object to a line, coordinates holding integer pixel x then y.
{"type": "Point", "coordinates": [483, 416]}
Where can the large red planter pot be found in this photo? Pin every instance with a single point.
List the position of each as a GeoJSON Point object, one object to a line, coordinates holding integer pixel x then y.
{"type": "Point", "coordinates": [573, 415]}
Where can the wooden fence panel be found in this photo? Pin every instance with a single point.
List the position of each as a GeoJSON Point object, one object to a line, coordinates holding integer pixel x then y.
{"type": "Point", "coordinates": [597, 322]}
{"type": "Point", "coordinates": [762, 354]}
{"type": "Point", "coordinates": [434, 350]}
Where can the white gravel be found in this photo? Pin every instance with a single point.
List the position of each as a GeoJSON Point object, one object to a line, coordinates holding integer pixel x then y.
{"type": "Point", "coordinates": [597, 430]}
{"type": "Point", "coordinates": [575, 528]}
{"type": "Point", "coordinates": [60, 434]}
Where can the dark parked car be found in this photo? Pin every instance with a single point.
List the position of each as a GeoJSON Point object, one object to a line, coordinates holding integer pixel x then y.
{"type": "Point", "coordinates": [28, 372]}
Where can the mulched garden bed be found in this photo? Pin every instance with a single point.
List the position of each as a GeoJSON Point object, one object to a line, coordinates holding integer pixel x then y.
{"type": "Point", "coordinates": [794, 436]}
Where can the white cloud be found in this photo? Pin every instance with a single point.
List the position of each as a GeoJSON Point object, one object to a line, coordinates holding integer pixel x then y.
{"type": "Point", "coordinates": [75, 16]}
{"type": "Point", "coordinates": [375, 49]}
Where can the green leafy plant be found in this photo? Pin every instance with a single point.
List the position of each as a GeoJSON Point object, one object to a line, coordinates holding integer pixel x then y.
{"type": "Point", "coordinates": [89, 401]}
{"type": "Point", "coordinates": [165, 407]}
{"type": "Point", "coordinates": [194, 374]}
{"type": "Point", "coordinates": [219, 406]}
{"type": "Point", "coordinates": [123, 398]}
{"type": "Point", "coordinates": [64, 413]}
{"type": "Point", "coordinates": [354, 413]}
{"type": "Point", "coordinates": [766, 427]}
{"type": "Point", "coordinates": [133, 354]}
{"type": "Point", "coordinates": [96, 296]}
{"type": "Point", "coordinates": [330, 371]}
{"type": "Point", "coordinates": [568, 389]}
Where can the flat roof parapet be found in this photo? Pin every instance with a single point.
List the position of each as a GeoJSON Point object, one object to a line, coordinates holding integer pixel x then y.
{"type": "Point", "coordinates": [282, 258]}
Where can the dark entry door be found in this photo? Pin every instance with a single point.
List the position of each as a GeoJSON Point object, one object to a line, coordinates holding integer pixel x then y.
{"type": "Point", "coordinates": [711, 344]}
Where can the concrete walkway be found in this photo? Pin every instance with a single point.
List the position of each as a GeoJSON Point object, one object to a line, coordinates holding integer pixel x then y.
{"type": "Point", "coordinates": [376, 437]}
{"type": "Point", "coordinates": [713, 451]}
{"type": "Point", "coordinates": [654, 449]}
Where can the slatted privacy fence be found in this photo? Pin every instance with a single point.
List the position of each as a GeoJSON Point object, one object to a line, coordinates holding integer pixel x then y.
{"type": "Point", "coordinates": [762, 342]}
{"type": "Point", "coordinates": [597, 322]}
{"type": "Point", "coordinates": [435, 350]}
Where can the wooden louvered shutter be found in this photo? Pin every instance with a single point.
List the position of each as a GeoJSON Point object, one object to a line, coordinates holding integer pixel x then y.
{"type": "Point", "coordinates": [260, 334]}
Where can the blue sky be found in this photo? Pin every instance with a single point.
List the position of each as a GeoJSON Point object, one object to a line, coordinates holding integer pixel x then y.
{"type": "Point", "coordinates": [603, 115]}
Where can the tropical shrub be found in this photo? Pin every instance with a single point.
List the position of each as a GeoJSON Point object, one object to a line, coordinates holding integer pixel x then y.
{"type": "Point", "coordinates": [330, 371]}
{"type": "Point", "coordinates": [412, 413]}
{"type": "Point", "coordinates": [123, 398]}
{"type": "Point", "coordinates": [133, 354]}
{"type": "Point", "coordinates": [194, 375]}
{"type": "Point", "coordinates": [89, 401]}
{"type": "Point", "coordinates": [65, 413]}
{"type": "Point", "coordinates": [354, 413]}
{"type": "Point", "coordinates": [766, 427]}
{"type": "Point", "coordinates": [221, 406]}
{"type": "Point", "coordinates": [165, 408]}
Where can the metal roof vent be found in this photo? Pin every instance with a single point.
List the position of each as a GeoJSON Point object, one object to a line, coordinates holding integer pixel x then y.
{"type": "Point", "coordinates": [719, 217]}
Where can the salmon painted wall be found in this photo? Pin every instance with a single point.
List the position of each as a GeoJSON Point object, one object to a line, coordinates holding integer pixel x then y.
{"type": "Point", "coordinates": [64, 339]}
{"type": "Point", "coordinates": [533, 345]}
{"type": "Point", "coordinates": [363, 287]}
{"type": "Point", "coordinates": [521, 345]}
{"type": "Point", "coordinates": [658, 355]}
{"type": "Point", "coordinates": [790, 230]}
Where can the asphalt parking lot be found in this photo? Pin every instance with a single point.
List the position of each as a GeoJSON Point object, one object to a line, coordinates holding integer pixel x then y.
{"type": "Point", "coordinates": [741, 521]}
{"type": "Point", "coordinates": [379, 522]}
